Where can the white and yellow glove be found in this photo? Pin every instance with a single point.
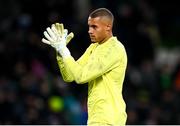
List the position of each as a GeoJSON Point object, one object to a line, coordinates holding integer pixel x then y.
{"type": "Point", "coordinates": [57, 37]}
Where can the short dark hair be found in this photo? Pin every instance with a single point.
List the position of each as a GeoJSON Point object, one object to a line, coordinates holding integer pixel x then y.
{"type": "Point", "coordinates": [102, 12]}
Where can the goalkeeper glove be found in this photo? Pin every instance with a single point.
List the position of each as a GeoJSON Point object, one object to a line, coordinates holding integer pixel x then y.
{"type": "Point", "coordinates": [58, 29]}
{"type": "Point", "coordinates": [57, 37]}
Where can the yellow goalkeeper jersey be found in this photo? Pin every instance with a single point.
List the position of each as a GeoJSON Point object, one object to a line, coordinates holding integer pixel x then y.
{"type": "Point", "coordinates": [103, 67]}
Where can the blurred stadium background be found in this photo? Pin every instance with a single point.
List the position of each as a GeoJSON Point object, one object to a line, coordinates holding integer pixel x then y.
{"type": "Point", "coordinates": [31, 88]}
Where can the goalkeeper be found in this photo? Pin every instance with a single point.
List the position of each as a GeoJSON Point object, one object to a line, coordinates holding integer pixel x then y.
{"type": "Point", "coordinates": [102, 66]}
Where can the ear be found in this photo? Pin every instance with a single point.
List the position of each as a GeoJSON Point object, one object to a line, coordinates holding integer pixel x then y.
{"type": "Point", "coordinates": [108, 27]}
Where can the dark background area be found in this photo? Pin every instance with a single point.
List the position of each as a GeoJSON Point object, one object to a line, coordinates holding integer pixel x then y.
{"type": "Point", "coordinates": [31, 88]}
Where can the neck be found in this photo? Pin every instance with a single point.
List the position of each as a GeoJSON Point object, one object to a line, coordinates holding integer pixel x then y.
{"type": "Point", "coordinates": [105, 39]}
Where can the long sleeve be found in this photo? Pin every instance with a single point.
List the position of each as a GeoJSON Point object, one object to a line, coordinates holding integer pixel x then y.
{"type": "Point", "coordinates": [65, 72]}
{"type": "Point", "coordinates": [101, 61]}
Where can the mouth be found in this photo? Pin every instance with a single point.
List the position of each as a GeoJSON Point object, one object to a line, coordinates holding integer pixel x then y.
{"type": "Point", "coordinates": [92, 37]}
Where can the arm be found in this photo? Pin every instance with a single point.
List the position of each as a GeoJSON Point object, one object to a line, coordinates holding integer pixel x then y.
{"type": "Point", "coordinates": [56, 36]}
{"type": "Point", "coordinates": [66, 74]}
{"type": "Point", "coordinates": [96, 66]}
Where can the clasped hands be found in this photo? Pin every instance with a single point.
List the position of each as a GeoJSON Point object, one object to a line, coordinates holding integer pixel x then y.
{"type": "Point", "coordinates": [58, 38]}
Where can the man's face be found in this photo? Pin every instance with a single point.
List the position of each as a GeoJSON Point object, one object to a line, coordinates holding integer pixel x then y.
{"type": "Point", "coordinates": [97, 29]}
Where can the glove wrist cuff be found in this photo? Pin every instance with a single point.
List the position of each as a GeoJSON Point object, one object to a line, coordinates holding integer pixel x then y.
{"type": "Point", "coordinates": [64, 52]}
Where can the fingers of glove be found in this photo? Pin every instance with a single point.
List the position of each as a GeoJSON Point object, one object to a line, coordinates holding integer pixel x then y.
{"type": "Point", "coordinates": [69, 37]}
{"type": "Point", "coordinates": [65, 32]}
{"type": "Point", "coordinates": [48, 37]}
{"type": "Point", "coordinates": [46, 41]}
{"type": "Point", "coordinates": [52, 35]}
{"type": "Point", "coordinates": [57, 26]}
{"type": "Point", "coordinates": [53, 28]}
{"type": "Point", "coordinates": [60, 28]}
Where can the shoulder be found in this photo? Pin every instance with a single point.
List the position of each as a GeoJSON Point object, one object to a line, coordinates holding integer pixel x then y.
{"type": "Point", "coordinates": [119, 49]}
{"type": "Point", "coordinates": [117, 45]}
{"type": "Point", "coordinates": [91, 47]}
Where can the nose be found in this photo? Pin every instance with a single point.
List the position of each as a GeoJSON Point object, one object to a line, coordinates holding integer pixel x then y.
{"type": "Point", "coordinates": [90, 31]}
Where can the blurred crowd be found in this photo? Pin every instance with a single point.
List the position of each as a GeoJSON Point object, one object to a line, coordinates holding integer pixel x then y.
{"type": "Point", "coordinates": [31, 88]}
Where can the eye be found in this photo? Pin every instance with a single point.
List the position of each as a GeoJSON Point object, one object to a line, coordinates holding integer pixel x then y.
{"type": "Point", "coordinates": [94, 26]}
